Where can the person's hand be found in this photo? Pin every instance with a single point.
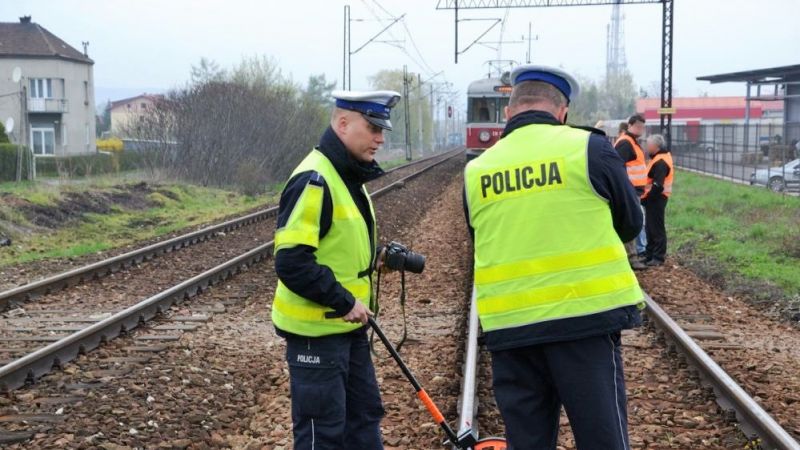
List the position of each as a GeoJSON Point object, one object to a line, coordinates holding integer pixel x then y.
{"type": "Point", "coordinates": [379, 265]}
{"type": "Point", "coordinates": [359, 314]}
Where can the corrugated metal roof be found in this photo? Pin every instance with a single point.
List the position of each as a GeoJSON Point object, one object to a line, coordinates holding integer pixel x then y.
{"type": "Point", "coordinates": [782, 73]}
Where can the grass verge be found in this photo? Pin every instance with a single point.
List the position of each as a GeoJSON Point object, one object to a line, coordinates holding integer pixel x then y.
{"type": "Point", "coordinates": [751, 235]}
{"type": "Point", "coordinates": [169, 208]}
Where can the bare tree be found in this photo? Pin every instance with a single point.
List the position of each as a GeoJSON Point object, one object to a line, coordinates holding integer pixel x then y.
{"type": "Point", "coordinates": [248, 129]}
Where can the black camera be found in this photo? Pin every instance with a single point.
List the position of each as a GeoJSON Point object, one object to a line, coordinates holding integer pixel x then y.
{"type": "Point", "coordinates": [399, 257]}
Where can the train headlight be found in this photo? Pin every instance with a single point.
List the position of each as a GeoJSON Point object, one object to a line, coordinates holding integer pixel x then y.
{"type": "Point", "coordinates": [484, 136]}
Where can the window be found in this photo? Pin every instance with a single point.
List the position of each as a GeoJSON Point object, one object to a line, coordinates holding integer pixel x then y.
{"type": "Point", "coordinates": [44, 141]}
{"type": "Point", "coordinates": [128, 105]}
{"type": "Point", "coordinates": [144, 105]}
{"type": "Point", "coordinates": [501, 106]}
{"type": "Point", "coordinates": [483, 110]}
{"type": "Point", "coordinates": [41, 88]}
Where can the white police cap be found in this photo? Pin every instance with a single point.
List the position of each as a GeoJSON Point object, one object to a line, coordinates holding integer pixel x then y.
{"type": "Point", "coordinates": [563, 81]}
{"type": "Point", "coordinates": [375, 106]}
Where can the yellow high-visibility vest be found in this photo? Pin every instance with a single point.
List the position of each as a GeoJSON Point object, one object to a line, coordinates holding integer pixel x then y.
{"type": "Point", "coordinates": [346, 249]}
{"type": "Point", "coordinates": [545, 245]}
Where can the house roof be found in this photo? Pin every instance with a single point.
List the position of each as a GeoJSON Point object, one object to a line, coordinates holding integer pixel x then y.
{"type": "Point", "coordinates": [151, 97]}
{"type": "Point", "coordinates": [777, 74]}
{"type": "Point", "coordinates": [27, 39]}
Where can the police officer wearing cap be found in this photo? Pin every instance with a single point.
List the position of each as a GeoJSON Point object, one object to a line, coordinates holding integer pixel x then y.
{"type": "Point", "coordinates": [549, 206]}
{"type": "Point", "coordinates": [325, 254]}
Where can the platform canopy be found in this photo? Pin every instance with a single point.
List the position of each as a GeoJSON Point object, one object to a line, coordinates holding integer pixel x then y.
{"type": "Point", "coordinates": [771, 75]}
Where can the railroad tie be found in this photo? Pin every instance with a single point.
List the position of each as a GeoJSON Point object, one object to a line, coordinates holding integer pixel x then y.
{"type": "Point", "coordinates": [158, 337]}
{"type": "Point", "coordinates": [14, 437]}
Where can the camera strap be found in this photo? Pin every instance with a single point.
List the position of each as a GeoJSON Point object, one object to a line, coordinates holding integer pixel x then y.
{"type": "Point", "coordinates": [375, 307]}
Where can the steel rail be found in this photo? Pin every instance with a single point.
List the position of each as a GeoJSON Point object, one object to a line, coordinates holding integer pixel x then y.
{"type": "Point", "coordinates": [114, 264]}
{"type": "Point", "coordinates": [32, 366]}
{"type": "Point", "coordinates": [729, 394]}
{"type": "Point", "coordinates": [468, 406]}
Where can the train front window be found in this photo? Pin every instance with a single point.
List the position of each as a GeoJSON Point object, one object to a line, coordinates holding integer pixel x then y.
{"type": "Point", "coordinates": [501, 106]}
{"type": "Point", "coordinates": [483, 110]}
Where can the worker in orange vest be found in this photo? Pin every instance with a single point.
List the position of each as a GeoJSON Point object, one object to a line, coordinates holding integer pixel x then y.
{"type": "Point", "coordinates": [623, 128]}
{"type": "Point", "coordinates": [627, 146]}
{"type": "Point", "coordinates": [660, 173]}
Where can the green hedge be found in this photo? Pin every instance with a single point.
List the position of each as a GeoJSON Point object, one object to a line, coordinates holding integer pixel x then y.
{"type": "Point", "coordinates": [72, 166]}
{"type": "Point", "coordinates": [8, 162]}
{"type": "Point", "coordinates": [75, 166]}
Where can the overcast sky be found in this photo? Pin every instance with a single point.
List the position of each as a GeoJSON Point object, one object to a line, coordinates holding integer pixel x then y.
{"type": "Point", "coordinates": [150, 45]}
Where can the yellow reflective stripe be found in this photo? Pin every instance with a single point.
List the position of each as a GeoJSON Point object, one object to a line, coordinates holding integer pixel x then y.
{"type": "Point", "coordinates": [302, 228]}
{"type": "Point", "coordinates": [553, 294]}
{"type": "Point", "coordinates": [346, 212]}
{"type": "Point", "coordinates": [296, 310]}
{"type": "Point", "coordinates": [548, 264]}
{"type": "Point", "coordinates": [562, 310]}
{"type": "Point", "coordinates": [289, 238]}
{"type": "Point", "coordinates": [307, 310]}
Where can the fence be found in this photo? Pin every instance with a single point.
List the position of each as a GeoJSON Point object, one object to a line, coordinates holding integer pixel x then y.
{"type": "Point", "coordinates": [758, 154]}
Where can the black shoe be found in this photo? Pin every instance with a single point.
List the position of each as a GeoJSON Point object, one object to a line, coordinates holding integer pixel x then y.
{"type": "Point", "coordinates": [653, 263]}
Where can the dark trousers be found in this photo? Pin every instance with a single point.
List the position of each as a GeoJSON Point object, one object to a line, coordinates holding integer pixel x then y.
{"type": "Point", "coordinates": [336, 403]}
{"type": "Point", "coordinates": [654, 207]}
{"type": "Point", "coordinates": [585, 375]}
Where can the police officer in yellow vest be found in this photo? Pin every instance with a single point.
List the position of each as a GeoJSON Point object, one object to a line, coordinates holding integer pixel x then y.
{"type": "Point", "coordinates": [324, 258]}
{"type": "Point", "coordinates": [549, 206]}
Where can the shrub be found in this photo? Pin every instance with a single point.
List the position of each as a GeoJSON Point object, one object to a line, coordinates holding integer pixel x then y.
{"type": "Point", "coordinates": [113, 144]}
{"type": "Point", "coordinates": [8, 162]}
{"type": "Point", "coordinates": [3, 135]}
{"type": "Point", "coordinates": [75, 166]}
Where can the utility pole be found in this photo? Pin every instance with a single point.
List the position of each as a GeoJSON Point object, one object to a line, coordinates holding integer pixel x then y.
{"type": "Point", "coordinates": [407, 115]}
{"type": "Point", "coordinates": [419, 114]}
{"type": "Point", "coordinates": [433, 122]}
{"type": "Point", "coordinates": [345, 45]}
{"type": "Point", "coordinates": [21, 133]}
{"type": "Point", "coordinates": [531, 37]}
{"type": "Point", "coordinates": [347, 70]}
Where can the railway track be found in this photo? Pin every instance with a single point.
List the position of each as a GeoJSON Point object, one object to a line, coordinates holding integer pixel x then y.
{"type": "Point", "coordinates": [31, 290]}
{"type": "Point", "coordinates": [88, 330]}
{"type": "Point", "coordinates": [662, 398]}
{"type": "Point", "coordinates": [762, 430]}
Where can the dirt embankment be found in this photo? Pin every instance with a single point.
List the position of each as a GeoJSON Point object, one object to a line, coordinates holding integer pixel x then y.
{"type": "Point", "coordinates": [73, 206]}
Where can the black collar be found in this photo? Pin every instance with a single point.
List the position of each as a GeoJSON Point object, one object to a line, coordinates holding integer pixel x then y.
{"type": "Point", "coordinates": [533, 116]}
{"type": "Point", "coordinates": [529, 117]}
{"type": "Point", "coordinates": [349, 169]}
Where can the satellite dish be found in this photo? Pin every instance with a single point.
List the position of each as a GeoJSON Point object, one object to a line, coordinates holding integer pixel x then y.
{"type": "Point", "coordinates": [16, 75]}
{"type": "Point", "coordinates": [9, 125]}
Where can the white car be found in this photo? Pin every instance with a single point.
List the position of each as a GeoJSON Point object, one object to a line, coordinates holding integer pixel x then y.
{"type": "Point", "coordinates": [779, 178]}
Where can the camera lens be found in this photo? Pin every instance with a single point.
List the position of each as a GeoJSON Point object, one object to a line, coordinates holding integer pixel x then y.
{"type": "Point", "coordinates": [414, 262]}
